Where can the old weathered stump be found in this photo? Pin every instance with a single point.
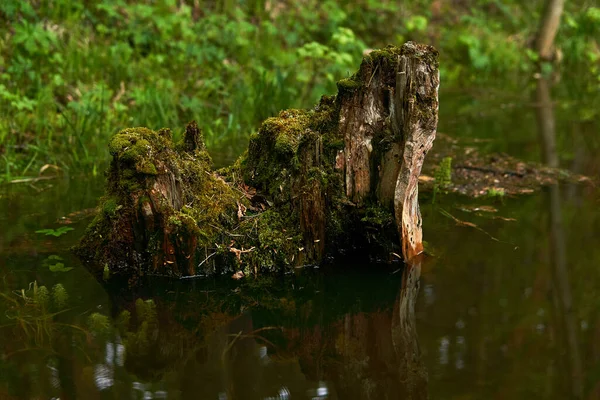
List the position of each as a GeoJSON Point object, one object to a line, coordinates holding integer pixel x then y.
{"type": "Point", "coordinates": [388, 125]}
{"type": "Point", "coordinates": [338, 178]}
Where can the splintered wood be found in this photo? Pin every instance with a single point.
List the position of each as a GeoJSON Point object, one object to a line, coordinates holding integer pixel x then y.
{"type": "Point", "coordinates": [389, 121]}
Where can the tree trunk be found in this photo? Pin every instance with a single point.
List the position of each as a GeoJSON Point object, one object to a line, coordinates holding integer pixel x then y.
{"type": "Point", "coordinates": [313, 183]}
{"type": "Point", "coordinates": [549, 28]}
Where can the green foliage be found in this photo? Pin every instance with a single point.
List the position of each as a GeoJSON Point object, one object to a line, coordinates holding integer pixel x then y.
{"type": "Point", "coordinates": [443, 176]}
{"type": "Point", "coordinates": [495, 193]}
{"type": "Point", "coordinates": [29, 314]}
{"type": "Point", "coordinates": [55, 232]}
{"type": "Point", "coordinates": [74, 73]}
{"type": "Point", "coordinates": [55, 264]}
{"type": "Point", "coordinates": [106, 273]}
{"type": "Point", "coordinates": [60, 297]}
{"type": "Point", "coordinates": [98, 323]}
{"type": "Point", "coordinates": [41, 295]}
{"type": "Point", "coordinates": [145, 337]}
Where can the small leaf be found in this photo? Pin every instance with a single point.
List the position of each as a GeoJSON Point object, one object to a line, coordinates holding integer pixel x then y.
{"type": "Point", "coordinates": [60, 296]}
{"type": "Point", "coordinates": [59, 267]}
{"type": "Point", "coordinates": [55, 232]}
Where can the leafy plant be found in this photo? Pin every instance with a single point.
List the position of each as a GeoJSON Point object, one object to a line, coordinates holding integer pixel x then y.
{"type": "Point", "coordinates": [55, 232]}
{"type": "Point", "coordinates": [74, 73]}
{"type": "Point", "coordinates": [55, 264]}
{"type": "Point", "coordinates": [442, 176]}
{"type": "Point", "coordinates": [98, 323]}
{"type": "Point", "coordinates": [30, 312]}
{"type": "Point", "coordinates": [495, 193]}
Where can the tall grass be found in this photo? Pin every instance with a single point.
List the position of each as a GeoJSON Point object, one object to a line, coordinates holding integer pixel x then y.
{"type": "Point", "coordinates": [74, 73]}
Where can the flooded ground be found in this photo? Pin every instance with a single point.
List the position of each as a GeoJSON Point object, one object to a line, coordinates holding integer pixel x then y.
{"type": "Point", "coordinates": [505, 306]}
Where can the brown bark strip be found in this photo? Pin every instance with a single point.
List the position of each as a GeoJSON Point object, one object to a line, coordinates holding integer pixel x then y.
{"type": "Point", "coordinates": [417, 111]}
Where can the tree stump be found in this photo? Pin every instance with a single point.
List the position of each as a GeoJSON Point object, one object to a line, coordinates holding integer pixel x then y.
{"type": "Point", "coordinates": [340, 177]}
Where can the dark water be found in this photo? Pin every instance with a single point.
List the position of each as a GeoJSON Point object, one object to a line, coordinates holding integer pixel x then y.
{"type": "Point", "coordinates": [507, 311]}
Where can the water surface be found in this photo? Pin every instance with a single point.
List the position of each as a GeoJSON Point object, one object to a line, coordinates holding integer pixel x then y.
{"type": "Point", "coordinates": [507, 311]}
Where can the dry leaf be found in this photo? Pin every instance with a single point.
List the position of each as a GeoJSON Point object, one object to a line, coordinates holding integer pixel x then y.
{"type": "Point", "coordinates": [238, 275]}
{"type": "Point", "coordinates": [426, 179]}
{"type": "Point", "coordinates": [49, 166]}
{"type": "Point", "coordinates": [238, 253]}
{"type": "Point", "coordinates": [241, 210]}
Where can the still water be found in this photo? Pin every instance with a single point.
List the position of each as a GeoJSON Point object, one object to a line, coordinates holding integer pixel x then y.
{"type": "Point", "coordinates": [507, 311]}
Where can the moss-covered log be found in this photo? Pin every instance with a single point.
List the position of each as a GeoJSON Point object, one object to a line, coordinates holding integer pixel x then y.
{"type": "Point", "coordinates": [337, 178]}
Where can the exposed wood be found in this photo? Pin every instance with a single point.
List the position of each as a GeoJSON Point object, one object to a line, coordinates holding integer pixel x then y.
{"type": "Point", "coordinates": [417, 99]}
{"type": "Point", "coordinates": [389, 125]}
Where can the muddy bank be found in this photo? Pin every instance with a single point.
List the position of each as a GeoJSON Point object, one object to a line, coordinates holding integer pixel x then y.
{"type": "Point", "coordinates": [476, 174]}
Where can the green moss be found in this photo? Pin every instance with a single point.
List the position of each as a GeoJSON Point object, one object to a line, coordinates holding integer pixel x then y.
{"type": "Point", "coordinates": [348, 84]}
{"type": "Point", "coordinates": [174, 220]}
{"type": "Point", "coordinates": [272, 152]}
{"type": "Point", "coordinates": [146, 167]}
{"type": "Point", "coordinates": [132, 143]}
{"type": "Point", "coordinates": [286, 145]}
{"type": "Point", "coordinates": [376, 215]}
{"type": "Point", "coordinates": [165, 134]}
{"type": "Point", "coordinates": [125, 182]}
{"type": "Point", "coordinates": [324, 117]}
{"type": "Point", "coordinates": [317, 174]}
{"type": "Point", "coordinates": [333, 144]}
{"type": "Point", "coordinates": [389, 53]}
{"type": "Point", "coordinates": [110, 207]}
{"type": "Point", "coordinates": [275, 237]}
{"type": "Point", "coordinates": [189, 224]}
{"type": "Point", "coordinates": [118, 143]}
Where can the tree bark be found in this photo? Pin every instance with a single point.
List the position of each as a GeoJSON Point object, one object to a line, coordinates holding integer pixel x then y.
{"type": "Point", "coordinates": [313, 183]}
{"type": "Point", "coordinates": [549, 28]}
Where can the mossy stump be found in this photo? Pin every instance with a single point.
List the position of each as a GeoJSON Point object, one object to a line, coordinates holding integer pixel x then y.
{"type": "Point", "coordinates": [339, 178]}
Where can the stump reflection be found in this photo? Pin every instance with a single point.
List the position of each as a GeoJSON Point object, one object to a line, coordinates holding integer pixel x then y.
{"type": "Point", "coordinates": [311, 340]}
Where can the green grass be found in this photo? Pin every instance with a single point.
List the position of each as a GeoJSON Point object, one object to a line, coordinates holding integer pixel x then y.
{"type": "Point", "coordinates": [72, 73]}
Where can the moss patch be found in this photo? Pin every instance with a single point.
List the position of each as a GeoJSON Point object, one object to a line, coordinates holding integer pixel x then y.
{"type": "Point", "coordinates": [158, 196]}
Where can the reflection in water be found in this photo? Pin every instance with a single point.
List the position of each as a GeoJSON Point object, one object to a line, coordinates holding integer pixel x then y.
{"type": "Point", "coordinates": [563, 299]}
{"type": "Point", "coordinates": [339, 335]}
{"type": "Point", "coordinates": [412, 372]}
{"type": "Point", "coordinates": [323, 344]}
{"type": "Point", "coordinates": [358, 354]}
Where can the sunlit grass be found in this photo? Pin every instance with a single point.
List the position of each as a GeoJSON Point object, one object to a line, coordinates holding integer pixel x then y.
{"type": "Point", "coordinates": [74, 73]}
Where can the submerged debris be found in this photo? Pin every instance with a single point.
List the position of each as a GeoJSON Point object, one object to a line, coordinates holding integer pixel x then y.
{"type": "Point", "coordinates": [475, 174]}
